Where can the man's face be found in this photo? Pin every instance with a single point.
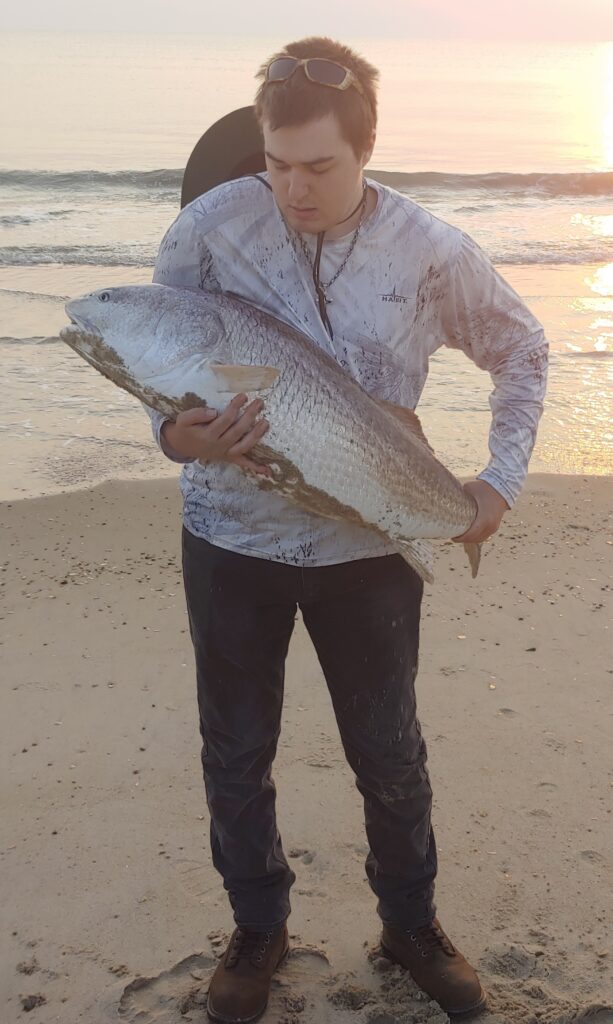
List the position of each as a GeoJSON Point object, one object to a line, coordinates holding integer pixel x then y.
{"type": "Point", "coordinates": [315, 175]}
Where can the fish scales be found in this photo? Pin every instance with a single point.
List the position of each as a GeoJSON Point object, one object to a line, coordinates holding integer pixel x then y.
{"type": "Point", "coordinates": [353, 449]}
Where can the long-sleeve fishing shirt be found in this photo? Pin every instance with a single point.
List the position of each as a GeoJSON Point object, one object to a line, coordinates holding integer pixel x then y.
{"type": "Point", "coordinates": [412, 284]}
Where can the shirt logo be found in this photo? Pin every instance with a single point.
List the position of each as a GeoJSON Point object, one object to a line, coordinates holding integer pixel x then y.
{"type": "Point", "coordinates": [393, 297]}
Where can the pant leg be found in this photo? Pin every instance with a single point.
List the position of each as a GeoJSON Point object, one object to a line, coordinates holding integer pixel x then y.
{"type": "Point", "coordinates": [363, 618]}
{"type": "Point", "coordinates": [241, 616]}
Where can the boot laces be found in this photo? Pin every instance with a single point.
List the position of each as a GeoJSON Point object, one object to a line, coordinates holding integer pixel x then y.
{"type": "Point", "coordinates": [246, 945]}
{"type": "Point", "coordinates": [431, 938]}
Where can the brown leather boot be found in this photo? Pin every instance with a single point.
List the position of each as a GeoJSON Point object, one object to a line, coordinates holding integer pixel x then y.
{"type": "Point", "coordinates": [241, 983]}
{"type": "Point", "coordinates": [436, 966]}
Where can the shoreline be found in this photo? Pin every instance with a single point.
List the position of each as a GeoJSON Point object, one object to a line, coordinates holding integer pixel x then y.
{"type": "Point", "coordinates": [106, 873]}
{"type": "Point", "coordinates": [172, 477]}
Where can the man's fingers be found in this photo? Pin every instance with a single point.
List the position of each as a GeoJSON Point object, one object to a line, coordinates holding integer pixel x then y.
{"type": "Point", "coordinates": [243, 425]}
{"type": "Point", "coordinates": [247, 442]}
{"type": "Point", "coordinates": [475, 535]}
{"type": "Point", "coordinates": [230, 415]}
{"type": "Point", "coordinates": [200, 414]}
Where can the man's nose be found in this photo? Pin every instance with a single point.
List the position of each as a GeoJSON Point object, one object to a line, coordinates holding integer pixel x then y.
{"type": "Point", "coordinates": [298, 187]}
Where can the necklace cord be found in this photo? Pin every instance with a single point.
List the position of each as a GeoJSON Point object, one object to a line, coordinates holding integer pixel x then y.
{"type": "Point", "coordinates": [356, 208]}
{"type": "Point", "coordinates": [321, 289]}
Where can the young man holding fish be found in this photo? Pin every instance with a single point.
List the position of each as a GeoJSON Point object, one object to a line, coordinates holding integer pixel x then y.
{"type": "Point", "coordinates": [380, 284]}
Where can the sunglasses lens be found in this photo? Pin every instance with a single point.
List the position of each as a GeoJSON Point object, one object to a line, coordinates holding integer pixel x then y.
{"type": "Point", "coordinates": [326, 72]}
{"type": "Point", "coordinates": [280, 69]}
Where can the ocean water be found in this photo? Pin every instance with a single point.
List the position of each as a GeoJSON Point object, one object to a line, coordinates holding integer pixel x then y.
{"type": "Point", "coordinates": [512, 143]}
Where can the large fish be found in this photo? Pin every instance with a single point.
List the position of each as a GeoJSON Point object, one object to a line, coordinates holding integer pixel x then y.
{"type": "Point", "coordinates": [332, 448]}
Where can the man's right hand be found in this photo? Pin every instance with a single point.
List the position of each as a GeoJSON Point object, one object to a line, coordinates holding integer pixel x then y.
{"type": "Point", "coordinates": [226, 436]}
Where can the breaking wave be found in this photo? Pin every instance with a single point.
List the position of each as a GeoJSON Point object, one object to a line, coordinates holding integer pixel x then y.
{"type": "Point", "coordinates": [87, 180]}
{"type": "Point", "coordinates": [32, 217]}
{"type": "Point", "coordinates": [591, 183]}
{"type": "Point", "coordinates": [120, 255]}
{"type": "Point", "coordinates": [596, 183]}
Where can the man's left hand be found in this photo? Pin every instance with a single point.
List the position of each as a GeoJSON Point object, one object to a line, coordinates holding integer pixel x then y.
{"type": "Point", "coordinates": [491, 507]}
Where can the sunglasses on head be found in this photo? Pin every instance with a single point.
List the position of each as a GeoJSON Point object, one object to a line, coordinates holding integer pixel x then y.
{"type": "Point", "coordinates": [317, 69]}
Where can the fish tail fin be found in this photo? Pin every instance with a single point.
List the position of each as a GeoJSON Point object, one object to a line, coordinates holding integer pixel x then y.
{"type": "Point", "coordinates": [419, 555]}
{"type": "Point", "coordinates": [474, 556]}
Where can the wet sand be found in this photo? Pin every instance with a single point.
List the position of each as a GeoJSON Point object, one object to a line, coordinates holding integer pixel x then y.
{"type": "Point", "coordinates": [105, 874]}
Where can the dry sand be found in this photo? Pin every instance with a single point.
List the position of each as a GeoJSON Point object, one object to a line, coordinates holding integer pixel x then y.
{"type": "Point", "coordinates": [104, 868]}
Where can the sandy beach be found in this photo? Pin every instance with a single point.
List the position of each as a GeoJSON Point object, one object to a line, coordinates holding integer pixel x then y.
{"type": "Point", "coordinates": [105, 872]}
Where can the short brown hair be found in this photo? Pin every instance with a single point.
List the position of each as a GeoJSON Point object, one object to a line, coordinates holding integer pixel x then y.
{"type": "Point", "coordinates": [297, 100]}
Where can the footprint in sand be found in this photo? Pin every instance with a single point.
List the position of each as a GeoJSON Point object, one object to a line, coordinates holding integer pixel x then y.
{"type": "Point", "coordinates": [518, 982]}
{"type": "Point", "coordinates": [179, 995]}
{"type": "Point", "coordinates": [306, 856]}
{"type": "Point", "coordinates": [592, 856]}
{"type": "Point", "coordinates": [509, 961]}
{"type": "Point", "coordinates": [164, 998]}
{"type": "Point", "coordinates": [305, 991]}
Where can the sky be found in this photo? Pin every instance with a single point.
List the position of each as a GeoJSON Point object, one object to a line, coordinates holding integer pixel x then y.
{"type": "Point", "coordinates": [555, 20]}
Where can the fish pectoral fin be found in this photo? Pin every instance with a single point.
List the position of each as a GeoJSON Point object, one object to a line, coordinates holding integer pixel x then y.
{"type": "Point", "coordinates": [419, 554]}
{"type": "Point", "coordinates": [244, 378]}
{"type": "Point", "coordinates": [474, 556]}
{"type": "Point", "coordinates": [408, 418]}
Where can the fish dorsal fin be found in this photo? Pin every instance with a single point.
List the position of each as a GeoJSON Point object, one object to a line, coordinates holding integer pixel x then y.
{"type": "Point", "coordinates": [244, 378]}
{"type": "Point", "coordinates": [408, 418]}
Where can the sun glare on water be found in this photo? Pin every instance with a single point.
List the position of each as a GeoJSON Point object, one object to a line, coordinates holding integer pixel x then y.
{"type": "Point", "coordinates": [601, 283]}
{"type": "Point", "coordinates": [607, 124]}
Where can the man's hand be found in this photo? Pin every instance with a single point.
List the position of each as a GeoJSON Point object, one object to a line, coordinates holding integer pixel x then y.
{"type": "Point", "coordinates": [491, 507]}
{"type": "Point", "coordinates": [210, 436]}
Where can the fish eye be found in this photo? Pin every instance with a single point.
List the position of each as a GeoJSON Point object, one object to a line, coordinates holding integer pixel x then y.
{"type": "Point", "coordinates": [104, 296]}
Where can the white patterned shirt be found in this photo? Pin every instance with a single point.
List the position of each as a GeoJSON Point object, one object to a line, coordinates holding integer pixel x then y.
{"type": "Point", "coordinates": [412, 285]}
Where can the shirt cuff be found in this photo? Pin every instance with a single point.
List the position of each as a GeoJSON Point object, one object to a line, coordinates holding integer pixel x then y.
{"type": "Point", "coordinates": [499, 485]}
{"type": "Point", "coordinates": [165, 448]}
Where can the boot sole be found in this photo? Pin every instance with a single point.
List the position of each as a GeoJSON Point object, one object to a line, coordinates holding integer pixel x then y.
{"type": "Point", "coordinates": [458, 1015]}
{"type": "Point", "coordinates": [220, 1019]}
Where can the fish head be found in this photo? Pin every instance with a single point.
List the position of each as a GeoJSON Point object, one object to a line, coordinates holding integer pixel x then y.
{"type": "Point", "coordinates": [134, 320]}
{"type": "Point", "coordinates": [152, 340]}
{"type": "Point", "coordinates": [93, 320]}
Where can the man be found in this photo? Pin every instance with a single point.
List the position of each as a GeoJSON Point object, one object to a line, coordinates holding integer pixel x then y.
{"type": "Point", "coordinates": [324, 249]}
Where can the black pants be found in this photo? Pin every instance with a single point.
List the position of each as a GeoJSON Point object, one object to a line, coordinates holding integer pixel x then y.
{"type": "Point", "coordinates": [363, 619]}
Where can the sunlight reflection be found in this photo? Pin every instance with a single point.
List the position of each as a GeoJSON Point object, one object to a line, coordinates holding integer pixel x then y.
{"type": "Point", "coordinates": [607, 123]}
{"type": "Point", "coordinates": [601, 281]}
{"type": "Point", "coordinates": [588, 418]}
{"type": "Point", "coordinates": [602, 226]}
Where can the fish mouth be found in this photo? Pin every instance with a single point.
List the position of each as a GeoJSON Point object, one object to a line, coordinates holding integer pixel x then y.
{"type": "Point", "coordinates": [79, 322]}
{"type": "Point", "coordinates": [84, 339]}
{"type": "Point", "coordinates": [79, 328]}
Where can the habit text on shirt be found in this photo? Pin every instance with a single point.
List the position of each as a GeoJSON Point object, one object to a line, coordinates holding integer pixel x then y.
{"type": "Point", "coordinates": [393, 297]}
